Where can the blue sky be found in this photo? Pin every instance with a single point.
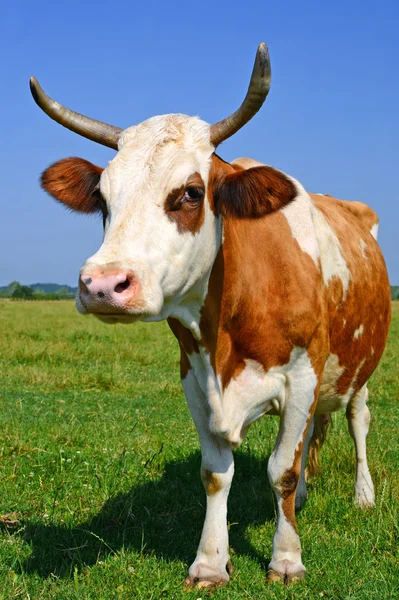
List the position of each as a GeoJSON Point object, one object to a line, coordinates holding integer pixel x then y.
{"type": "Point", "coordinates": [331, 118]}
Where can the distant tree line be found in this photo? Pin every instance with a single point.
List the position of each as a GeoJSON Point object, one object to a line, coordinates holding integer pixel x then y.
{"type": "Point", "coordinates": [16, 291]}
{"type": "Point", "coordinates": [54, 291]}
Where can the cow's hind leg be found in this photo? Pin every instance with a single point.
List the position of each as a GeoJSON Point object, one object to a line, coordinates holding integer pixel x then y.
{"type": "Point", "coordinates": [301, 492]}
{"type": "Point", "coordinates": [211, 567]}
{"type": "Point", "coordinates": [284, 470]}
{"type": "Point", "coordinates": [358, 416]}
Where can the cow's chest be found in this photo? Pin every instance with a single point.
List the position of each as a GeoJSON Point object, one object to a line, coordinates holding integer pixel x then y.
{"type": "Point", "coordinates": [248, 396]}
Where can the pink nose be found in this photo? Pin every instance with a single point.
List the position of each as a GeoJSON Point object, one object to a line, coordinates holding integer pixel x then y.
{"type": "Point", "coordinates": [108, 290]}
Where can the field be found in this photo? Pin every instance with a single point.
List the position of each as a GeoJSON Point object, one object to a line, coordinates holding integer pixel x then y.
{"type": "Point", "coordinates": [100, 490]}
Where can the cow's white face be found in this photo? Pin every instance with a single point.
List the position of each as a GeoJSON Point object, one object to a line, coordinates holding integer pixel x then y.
{"type": "Point", "coordinates": [161, 235]}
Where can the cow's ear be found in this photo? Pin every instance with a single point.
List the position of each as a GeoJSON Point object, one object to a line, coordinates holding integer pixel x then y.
{"type": "Point", "coordinates": [74, 182]}
{"type": "Point", "coordinates": [253, 193]}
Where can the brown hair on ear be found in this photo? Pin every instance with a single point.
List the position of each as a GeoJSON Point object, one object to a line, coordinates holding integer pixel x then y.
{"type": "Point", "coordinates": [253, 193]}
{"type": "Point", "coordinates": [73, 181]}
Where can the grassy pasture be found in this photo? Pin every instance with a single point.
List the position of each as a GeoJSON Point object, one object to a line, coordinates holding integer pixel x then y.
{"type": "Point", "coordinates": [100, 490]}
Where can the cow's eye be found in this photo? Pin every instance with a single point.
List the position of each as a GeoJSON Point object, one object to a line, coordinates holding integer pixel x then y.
{"type": "Point", "coordinates": [193, 195]}
{"type": "Point", "coordinates": [185, 198]}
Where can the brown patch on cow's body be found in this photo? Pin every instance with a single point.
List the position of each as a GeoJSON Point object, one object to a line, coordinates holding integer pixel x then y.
{"type": "Point", "coordinates": [288, 483]}
{"type": "Point", "coordinates": [211, 482]}
{"type": "Point", "coordinates": [188, 215]}
{"type": "Point", "coordinates": [287, 488]}
{"type": "Point", "coordinates": [74, 182]}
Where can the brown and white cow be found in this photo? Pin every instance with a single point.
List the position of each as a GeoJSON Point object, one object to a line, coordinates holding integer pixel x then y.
{"type": "Point", "coordinates": [279, 299]}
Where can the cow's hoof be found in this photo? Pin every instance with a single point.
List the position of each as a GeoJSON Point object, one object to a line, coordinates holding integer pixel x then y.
{"type": "Point", "coordinates": [202, 576]}
{"type": "Point", "coordinates": [364, 504]}
{"type": "Point", "coordinates": [286, 572]}
{"type": "Point", "coordinates": [201, 584]}
{"type": "Point", "coordinates": [364, 498]}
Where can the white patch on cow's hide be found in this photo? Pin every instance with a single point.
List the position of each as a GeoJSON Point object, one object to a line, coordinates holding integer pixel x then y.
{"type": "Point", "coordinates": [298, 215]}
{"type": "Point", "coordinates": [374, 230]}
{"type": "Point", "coordinates": [332, 261]}
{"type": "Point", "coordinates": [358, 332]}
{"type": "Point", "coordinates": [329, 400]}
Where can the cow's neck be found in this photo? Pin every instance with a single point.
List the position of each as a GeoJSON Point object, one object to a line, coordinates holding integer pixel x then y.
{"type": "Point", "coordinates": [188, 310]}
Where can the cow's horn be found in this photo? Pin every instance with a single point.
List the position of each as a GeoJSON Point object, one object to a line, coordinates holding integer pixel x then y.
{"type": "Point", "coordinates": [257, 91]}
{"type": "Point", "coordinates": [104, 134]}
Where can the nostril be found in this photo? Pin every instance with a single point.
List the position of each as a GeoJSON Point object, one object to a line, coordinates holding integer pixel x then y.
{"type": "Point", "coordinates": [121, 287]}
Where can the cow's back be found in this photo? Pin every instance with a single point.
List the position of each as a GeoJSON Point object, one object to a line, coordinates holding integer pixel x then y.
{"type": "Point", "coordinates": [366, 215]}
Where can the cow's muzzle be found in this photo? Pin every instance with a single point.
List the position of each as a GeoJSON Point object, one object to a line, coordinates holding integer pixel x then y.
{"type": "Point", "coordinates": [109, 290]}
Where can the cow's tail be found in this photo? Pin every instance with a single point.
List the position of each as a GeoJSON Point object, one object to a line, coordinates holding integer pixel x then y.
{"type": "Point", "coordinates": [321, 425]}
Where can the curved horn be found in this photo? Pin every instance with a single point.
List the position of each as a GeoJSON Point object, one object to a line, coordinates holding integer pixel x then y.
{"type": "Point", "coordinates": [104, 134]}
{"type": "Point", "coordinates": [256, 95]}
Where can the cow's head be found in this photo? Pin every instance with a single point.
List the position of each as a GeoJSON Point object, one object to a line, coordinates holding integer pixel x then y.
{"type": "Point", "coordinates": [157, 197]}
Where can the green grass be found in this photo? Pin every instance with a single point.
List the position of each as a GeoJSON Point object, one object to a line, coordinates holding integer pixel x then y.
{"type": "Point", "coordinates": [100, 490]}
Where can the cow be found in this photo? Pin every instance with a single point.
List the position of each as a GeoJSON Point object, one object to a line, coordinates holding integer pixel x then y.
{"type": "Point", "coordinates": [279, 299]}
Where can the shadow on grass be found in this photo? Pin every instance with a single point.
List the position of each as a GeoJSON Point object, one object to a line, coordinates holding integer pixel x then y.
{"type": "Point", "coordinates": [162, 518]}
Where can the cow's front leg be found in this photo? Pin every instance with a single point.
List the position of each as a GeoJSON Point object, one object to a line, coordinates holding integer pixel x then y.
{"type": "Point", "coordinates": [211, 567]}
{"type": "Point", "coordinates": [301, 492]}
{"type": "Point", "coordinates": [284, 470]}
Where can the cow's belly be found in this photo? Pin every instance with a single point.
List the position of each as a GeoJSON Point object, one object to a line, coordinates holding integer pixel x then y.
{"type": "Point", "coordinates": [329, 399]}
